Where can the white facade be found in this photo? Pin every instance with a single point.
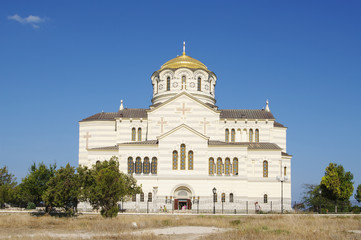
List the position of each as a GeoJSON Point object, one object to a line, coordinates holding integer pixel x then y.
{"type": "Point", "coordinates": [194, 146]}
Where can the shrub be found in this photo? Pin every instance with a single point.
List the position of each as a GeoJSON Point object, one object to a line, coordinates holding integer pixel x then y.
{"type": "Point", "coordinates": [31, 205]}
{"type": "Point", "coordinates": [324, 210]}
{"type": "Point", "coordinates": [110, 213]}
{"type": "Point", "coordinates": [356, 209]}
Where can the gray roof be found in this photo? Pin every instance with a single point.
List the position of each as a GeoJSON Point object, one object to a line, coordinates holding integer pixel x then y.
{"type": "Point", "coordinates": [134, 113]}
{"type": "Point", "coordinates": [246, 114]}
{"type": "Point", "coordinates": [148, 142]}
{"type": "Point", "coordinates": [125, 113]}
{"type": "Point", "coordinates": [249, 145]}
{"type": "Point", "coordinates": [286, 154]}
{"type": "Point", "coordinates": [277, 124]}
{"type": "Point", "coordinates": [105, 148]}
{"type": "Point", "coordinates": [142, 113]}
{"type": "Point", "coordinates": [103, 116]}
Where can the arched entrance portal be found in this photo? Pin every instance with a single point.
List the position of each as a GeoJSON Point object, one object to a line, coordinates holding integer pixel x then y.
{"type": "Point", "coordinates": [182, 198]}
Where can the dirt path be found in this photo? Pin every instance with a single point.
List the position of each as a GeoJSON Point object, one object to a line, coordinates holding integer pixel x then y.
{"type": "Point", "coordinates": [182, 232]}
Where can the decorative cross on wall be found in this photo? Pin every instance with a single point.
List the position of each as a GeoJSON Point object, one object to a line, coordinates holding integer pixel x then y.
{"type": "Point", "coordinates": [183, 109]}
{"type": "Point", "coordinates": [87, 136]}
{"type": "Point", "coordinates": [161, 122]}
{"type": "Point", "coordinates": [205, 123]}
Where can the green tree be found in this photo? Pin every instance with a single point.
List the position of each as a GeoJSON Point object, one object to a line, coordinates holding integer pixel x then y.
{"type": "Point", "coordinates": [63, 189]}
{"type": "Point", "coordinates": [104, 186]}
{"type": "Point", "coordinates": [358, 193]}
{"type": "Point", "coordinates": [34, 185]}
{"type": "Point", "coordinates": [337, 184]}
{"type": "Point", "coordinates": [314, 201]}
{"type": "Point", "coordinates": [7, 186]}
{"type": "Point", "coordinates": [311, 197]}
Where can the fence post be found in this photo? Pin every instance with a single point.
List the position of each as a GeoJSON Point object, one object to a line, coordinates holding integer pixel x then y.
{"type": "Point", "coordinates": [271, 205]}
{"type": "Point", "coordinates": [247, 207]}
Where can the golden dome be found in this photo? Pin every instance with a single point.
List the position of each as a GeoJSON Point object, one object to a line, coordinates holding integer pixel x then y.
{"type": "Point", "coordinates": [184, 61]}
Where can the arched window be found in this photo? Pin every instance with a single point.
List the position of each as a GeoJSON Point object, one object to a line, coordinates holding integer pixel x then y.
{"type": "Point", "coordinates": [139, 134]}
{"type": "Point", "coordinates": [183, 157]}
{"type": "Point", "coordinates": [251, 135]}
{"type": "Point", "coordinates": [265, 198]}
{"type": "Point", "coordinates": [134, 197]}
{"type": "Point", "coordinates": [219, 166]}
{"type": "Point", "coordinates": [150, 197]}
{"type": "Point", "coordinates": [235, 166]}
{"type": "Point", "coordinates": [223, 197]}
{"type": "Point", "coordinates": [211, 166]}
{"type": "Point", "coordinates": [168, 83]}
{"type": "Point", "coordinates": [265, 169]}
{"type": "Point", "coordinates": [257, 135]}
{"type": "Point", "coordinates": [226, 135]}
{"type": "Point", "coordinates": [146, 165]}
{"type": "Point", "coordinates": [199, 84]}
{"type": "Point", "coordinates": [175, 160]}
{"type": "Point", "coordinates": [231, 197]}
{"type": "Point", "coordinates": [190, 160]}
{"type": "Point", "coordinates": [227, 169]}
{"type": "Point", "coordinates": [233, 135]}
{"type": "Point", "coordinates": [130, 165]}
{"type": "Point", "coordinates": [142, 197]}
{"type": "Point", "coordinates": [133, 134]}
{"type": "Point", "coordinates": [184, 82]}
{"type": "Point", "coordinates": [285, 171]}
{"type": "Point", "coordinates": [138, 165]}
{"type": "Point", "coordinates": [154, 165]}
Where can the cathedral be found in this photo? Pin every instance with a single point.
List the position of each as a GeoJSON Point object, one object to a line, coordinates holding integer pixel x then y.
{"type": "Point", "coordinates": [186, 153]}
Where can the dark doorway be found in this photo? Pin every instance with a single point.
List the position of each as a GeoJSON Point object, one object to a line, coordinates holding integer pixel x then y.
{"type": "Point", "coordinates": [181, 204]}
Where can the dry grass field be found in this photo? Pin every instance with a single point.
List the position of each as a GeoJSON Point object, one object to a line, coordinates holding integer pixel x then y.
{"type": "Point", "coordinates": [22, 226]}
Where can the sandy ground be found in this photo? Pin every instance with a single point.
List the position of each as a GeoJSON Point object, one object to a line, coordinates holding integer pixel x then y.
{"type": "Point", "coordinates": [182, 232]}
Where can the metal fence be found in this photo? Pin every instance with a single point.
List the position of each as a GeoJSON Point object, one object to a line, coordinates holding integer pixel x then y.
{"type": "Point", "coordinates": [324, 206]}
{"type": "Point", "coordinates": [203, 206]}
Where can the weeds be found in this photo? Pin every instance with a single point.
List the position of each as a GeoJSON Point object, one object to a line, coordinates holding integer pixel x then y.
{"type": "Point", "coordinates": [244, 227]}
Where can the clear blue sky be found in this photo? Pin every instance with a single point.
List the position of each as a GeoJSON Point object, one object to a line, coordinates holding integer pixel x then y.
{"type": "Point", "coordinates": [72, 59]}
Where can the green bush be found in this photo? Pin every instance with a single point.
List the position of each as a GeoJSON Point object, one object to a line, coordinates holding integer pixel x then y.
{"type": "Point", "coordinates": [31, 205]}
{"type": "Point", "coordinates": [112, 212]}
{"type": "Point", "coordinates": [356, 209]}
{"type": "Point", "coordinates": [324, 210]}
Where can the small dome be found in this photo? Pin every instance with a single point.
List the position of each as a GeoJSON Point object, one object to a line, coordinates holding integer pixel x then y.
{"type": "Point", "coordinates": [184, 61]}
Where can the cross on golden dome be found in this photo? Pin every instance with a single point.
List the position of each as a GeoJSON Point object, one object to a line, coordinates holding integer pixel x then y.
{"type": "Point", "coordinates": [184, 61]}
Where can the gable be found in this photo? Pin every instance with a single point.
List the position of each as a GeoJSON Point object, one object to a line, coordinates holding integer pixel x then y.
{"type": "Point", "coordinates": [182, 134]}
{"type": "Point", "coordinates": [182, 129]}
{"type": "Point", "coordinates": [182, 109]}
